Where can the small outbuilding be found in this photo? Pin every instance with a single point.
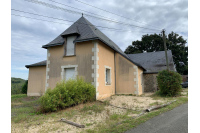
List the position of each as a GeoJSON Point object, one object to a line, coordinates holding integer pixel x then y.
{"type": "Point", "coordinates": [153, 62]}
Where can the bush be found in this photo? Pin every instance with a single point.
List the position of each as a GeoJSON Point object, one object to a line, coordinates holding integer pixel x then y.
{"type": "Point", "coordinates": [24, 87]}
{"type": "Point", "coordinates": [66, 94]}
{"type": "Point", "coordinates": [169, 83]}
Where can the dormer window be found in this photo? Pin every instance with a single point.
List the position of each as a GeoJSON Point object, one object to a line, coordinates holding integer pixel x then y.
{"type": "Point", "coordinates": [70, 46]}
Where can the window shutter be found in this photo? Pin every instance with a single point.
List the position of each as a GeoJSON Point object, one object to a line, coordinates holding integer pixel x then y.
{"type": "Point", "coordinates": [70, 45]}
{"type": "Point", "coordinates": [69, 73]}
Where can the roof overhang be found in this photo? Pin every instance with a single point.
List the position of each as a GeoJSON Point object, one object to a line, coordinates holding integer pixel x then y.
{"type": "Point", "coordinates": [146, 72]}
{"type": "Point", "coordinates": [70, 34]}
{"type": "Point", "coordinates": [51, 45]}
{"type": "Point", "coordinates": [27, 66]}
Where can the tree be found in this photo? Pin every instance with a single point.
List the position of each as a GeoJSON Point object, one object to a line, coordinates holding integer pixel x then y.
{"type": "Point", "coordinates": [24, 87]}
{"type": "Point", "coordinates": [154, 42]}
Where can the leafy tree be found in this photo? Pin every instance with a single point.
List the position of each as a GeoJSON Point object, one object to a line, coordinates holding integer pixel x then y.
{"type": "Point", "coordinates": [16, 85]}
{"type": "Point", "coordinates": [154, 42]}
{"type": "Point", "coordinates": [24, 87]}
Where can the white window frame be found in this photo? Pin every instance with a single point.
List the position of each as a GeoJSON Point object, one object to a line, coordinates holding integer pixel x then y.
{"type": "Point", "coordinates": [108, 84]}
{"type": "Point", "coordinates": [68, 66]}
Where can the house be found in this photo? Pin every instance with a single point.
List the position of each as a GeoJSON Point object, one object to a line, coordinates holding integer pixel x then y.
{"type": "Point", "coordinates": [153, 62]}
{"type": "Point", "coordinates": [83, 50]}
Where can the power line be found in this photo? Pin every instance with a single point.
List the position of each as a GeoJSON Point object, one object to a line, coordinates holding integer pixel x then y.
{"type": "Point", "coordinates": [38, 19]}
{"type": "Point", "coordinates": [78, 9]}
{"type": "Point", "coordinates": [75, 12]}
{"type": "Point", "coordinates": [112, 13]}
{"type": "Point", "coordinates": [112, 29]}
{"type": "Point", "coordinates": [97, 14]}
{"type": "Point", "coordinates": [64, 20]}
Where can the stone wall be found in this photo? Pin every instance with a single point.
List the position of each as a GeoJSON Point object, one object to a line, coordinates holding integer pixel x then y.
{"type": "Point", "coordinates": [150, 82]}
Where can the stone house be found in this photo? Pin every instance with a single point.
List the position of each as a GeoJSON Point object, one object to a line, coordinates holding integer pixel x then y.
{"type": "Point", "coordinates": [83, 50]}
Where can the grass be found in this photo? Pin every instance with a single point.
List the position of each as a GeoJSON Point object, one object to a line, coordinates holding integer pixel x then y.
{"type": "Point", "coordinates": [23, 107]}
{"type": "Point", "coordinates": [155, 103]}
{"type": "Point", "coordinates": [17, 96]}
{"type": "Point", "coordinates": [124, 104]}
{"type": "Point", "coordinates": [110, 125]}
{"type": "Point", "coordinates": [24, 115]}
{"type": "Point", "coordinates": [96, 108]}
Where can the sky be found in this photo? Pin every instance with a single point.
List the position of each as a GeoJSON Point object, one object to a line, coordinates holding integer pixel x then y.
{"type": "Point", "coordinates": [28, 35]}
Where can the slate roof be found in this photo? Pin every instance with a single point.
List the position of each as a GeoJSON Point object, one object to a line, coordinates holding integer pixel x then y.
{"type": "Point", "coordinates": [86, 31]}
{"type": "Point", "coordinates": [153, 62]}
{"type": "Point", "coordinates": [42, 63]}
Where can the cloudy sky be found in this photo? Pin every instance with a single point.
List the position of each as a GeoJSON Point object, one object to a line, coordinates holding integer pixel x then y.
{"type": "Point", "coordinates": [28, 35]}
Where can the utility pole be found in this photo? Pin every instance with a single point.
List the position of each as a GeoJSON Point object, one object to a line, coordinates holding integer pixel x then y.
{"type": "Point", "coordinates": [165, 47]}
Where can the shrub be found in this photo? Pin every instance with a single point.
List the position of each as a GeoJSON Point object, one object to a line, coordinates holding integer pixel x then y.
{"type": "Point", "coordinates": [66, 94]}
{"type": "Point", "coordinates": [24, 87]}
{"type": "Point", "coordinates": [169, 83]}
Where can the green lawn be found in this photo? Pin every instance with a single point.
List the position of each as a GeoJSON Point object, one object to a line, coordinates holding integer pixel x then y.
{"type": "Point", "coordinates": [23, 107]}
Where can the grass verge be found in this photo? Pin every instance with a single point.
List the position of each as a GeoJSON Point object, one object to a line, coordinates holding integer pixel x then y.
{"type": "Point", "coordinates": [127, 123]}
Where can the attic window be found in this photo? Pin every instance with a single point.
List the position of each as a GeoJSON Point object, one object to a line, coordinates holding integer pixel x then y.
{"type": "Point", "coordinates": [70, 46]}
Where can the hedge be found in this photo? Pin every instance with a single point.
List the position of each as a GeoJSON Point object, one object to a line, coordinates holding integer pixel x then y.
{"type": "Point", "coordinates": [66, 94]}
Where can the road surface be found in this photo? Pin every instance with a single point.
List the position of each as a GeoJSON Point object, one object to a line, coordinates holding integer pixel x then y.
{"type": "Point", "coordinates": [174, 121]}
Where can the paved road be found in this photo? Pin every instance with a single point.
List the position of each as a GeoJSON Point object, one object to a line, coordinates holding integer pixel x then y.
{"type": "Point", "coordinates": [174, 121]}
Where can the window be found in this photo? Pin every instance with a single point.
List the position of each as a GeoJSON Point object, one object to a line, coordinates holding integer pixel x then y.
{"type": "Point", "coordinates": [70, 48]}
{"type": "Point", "coordinates": [70, 73]}
{"type": "Point", "coordinates": [108, 80]}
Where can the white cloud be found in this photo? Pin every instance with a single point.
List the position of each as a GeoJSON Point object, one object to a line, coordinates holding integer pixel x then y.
{"type": "Point", "coordinates": [28, 36]}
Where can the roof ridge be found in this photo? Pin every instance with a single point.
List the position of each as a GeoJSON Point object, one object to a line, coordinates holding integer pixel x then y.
{"type": "Point", "coordinates": [90, 24]}
{"type": "Point", "coordinates": [149, 52]}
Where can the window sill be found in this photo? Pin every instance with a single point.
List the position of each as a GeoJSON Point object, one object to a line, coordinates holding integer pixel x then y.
{"type": "Point", "coordinates": [68, 55]}
{"type": "Point", "coordinates": [108, 84]}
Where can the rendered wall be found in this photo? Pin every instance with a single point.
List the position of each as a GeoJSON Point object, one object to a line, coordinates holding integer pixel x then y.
{"type": "Point", "coordinates": [36, 81]}
{"type": "Point", "coordinates": [106, 60]}
{"type": "Point", "coordinates": [82, 59]}
{"type": "Point", "coordinates": [140, 81]}
{"type": "Point", "coordinates": [126, 76]}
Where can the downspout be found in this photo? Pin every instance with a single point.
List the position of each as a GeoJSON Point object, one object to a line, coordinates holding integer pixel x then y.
{"type": "Point", "coordinates": [115, 71]}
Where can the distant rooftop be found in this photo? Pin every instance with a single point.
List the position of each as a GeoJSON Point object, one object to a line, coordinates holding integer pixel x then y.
{"type": "Point", "coordinates": [42, 63]}
{"type": "Point", "coordinates": [153, 61]}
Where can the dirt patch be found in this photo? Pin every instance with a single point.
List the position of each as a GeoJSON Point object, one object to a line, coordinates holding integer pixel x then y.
{"type": "Point", "coordinates": [134, 102]}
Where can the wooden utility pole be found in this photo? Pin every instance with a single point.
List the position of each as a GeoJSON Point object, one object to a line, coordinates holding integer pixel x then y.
{"type": "Point", "coordinates": [165, 47]}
